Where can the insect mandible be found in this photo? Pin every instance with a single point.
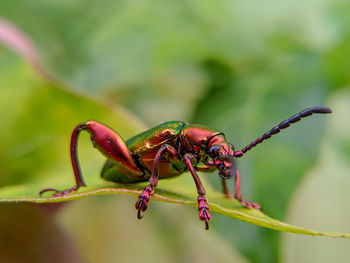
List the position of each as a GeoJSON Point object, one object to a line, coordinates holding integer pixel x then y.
{"type": "Point", "coordinates": [168, 150]}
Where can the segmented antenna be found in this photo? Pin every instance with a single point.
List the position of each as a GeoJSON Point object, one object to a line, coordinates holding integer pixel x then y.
{"type": "Point", "coordinates": [284, 124]}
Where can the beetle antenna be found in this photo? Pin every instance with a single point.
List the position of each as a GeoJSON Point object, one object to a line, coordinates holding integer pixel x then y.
{"type": "Point", "coordinates": [284, 124]}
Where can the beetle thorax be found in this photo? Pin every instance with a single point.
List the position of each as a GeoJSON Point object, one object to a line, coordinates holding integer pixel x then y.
{"type": "Point", "coordinates": [194, 138]}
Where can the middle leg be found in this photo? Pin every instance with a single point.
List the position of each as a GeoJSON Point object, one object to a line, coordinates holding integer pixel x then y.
{"type": "Point", "coordinates": [169, 153]}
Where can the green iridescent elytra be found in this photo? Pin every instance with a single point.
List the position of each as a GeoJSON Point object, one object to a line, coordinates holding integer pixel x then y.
{"type": "Point", "coordinates": [144, 146]}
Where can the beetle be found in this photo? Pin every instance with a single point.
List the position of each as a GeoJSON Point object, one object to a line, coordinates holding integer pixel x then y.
{"type": "Point", "coordinates": [168, 150]}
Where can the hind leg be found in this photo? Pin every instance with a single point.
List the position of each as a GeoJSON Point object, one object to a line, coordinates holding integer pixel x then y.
{"type": "Point", "coordinates": [108, 142]}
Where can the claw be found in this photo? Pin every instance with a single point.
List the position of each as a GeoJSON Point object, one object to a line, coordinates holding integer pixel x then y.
{"type": "Point", "coordinates": [205, 216]}
{"type": "Point", "coordinates": [206, 224]}
{"type": "Point", "coordinates": [144, 198]}
{"type": "Point", "coordinates": [59, 193]}
{"type": "Point", "coordinates": [250, 204]}
{"type": "Point", "coordinates": [47, 190]}
{"type": "Point", "coordinates": [139, 214]}
{"type": "Point", "coordinates": [203, 209]}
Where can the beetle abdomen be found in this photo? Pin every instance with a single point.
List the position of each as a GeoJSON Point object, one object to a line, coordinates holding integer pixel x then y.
{"type": "Point", "coordinates": [112, 171]}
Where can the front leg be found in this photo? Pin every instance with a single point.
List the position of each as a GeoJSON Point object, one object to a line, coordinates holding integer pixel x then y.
{"type": "Point", "coordinates": [202, 201]}
{"type": "Point", "coordinates": [108, 142]}
{"type": "Point", "coordinates": [238, 194]}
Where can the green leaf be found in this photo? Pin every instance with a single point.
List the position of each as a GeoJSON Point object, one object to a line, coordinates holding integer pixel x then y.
{"type": "Point", "coordinates": [179, 190]}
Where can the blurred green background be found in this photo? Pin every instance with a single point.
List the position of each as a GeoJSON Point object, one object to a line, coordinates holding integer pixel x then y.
{"type": "Point", "coordinates": [236, 66]}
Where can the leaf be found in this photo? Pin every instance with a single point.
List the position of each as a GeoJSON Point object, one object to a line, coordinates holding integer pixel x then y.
{"type": "Point", "coordinates": [178, 190]}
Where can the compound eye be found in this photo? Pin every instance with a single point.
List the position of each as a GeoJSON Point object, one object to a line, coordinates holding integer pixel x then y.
{"type": "Point", "coordinates": [213, 151]}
